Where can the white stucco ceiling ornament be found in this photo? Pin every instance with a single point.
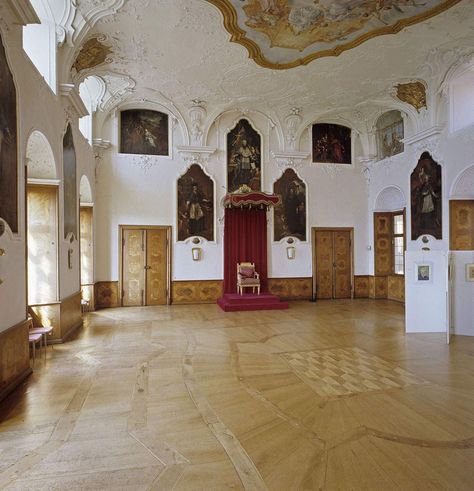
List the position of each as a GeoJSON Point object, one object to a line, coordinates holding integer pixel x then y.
{"type": "Point", "coordinates": [190, 56]}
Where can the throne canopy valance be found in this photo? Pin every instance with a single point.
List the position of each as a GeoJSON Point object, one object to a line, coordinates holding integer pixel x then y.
{"type": "Point", "coordinates": [250, 199]}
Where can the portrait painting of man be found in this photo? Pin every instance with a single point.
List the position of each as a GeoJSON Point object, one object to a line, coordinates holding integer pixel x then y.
{"type": "Point", "coordinates": [144, 132]}
{"type": "Point", "coordinates": [243, 157]}
{"type": "Point", "coordinates": [8, 145]}
{"type": "Point", "coordinates": [289, 217]}
{"type": "Point", "coordinates": [425, 184]}
{"type": "Point", "coordinates": [331, 144]}
{"type": "Point", "coordinates": [195, 205]}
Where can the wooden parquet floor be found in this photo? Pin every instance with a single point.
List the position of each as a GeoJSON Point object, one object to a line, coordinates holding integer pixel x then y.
{"type": "Point", "coordinates": [331, 395]}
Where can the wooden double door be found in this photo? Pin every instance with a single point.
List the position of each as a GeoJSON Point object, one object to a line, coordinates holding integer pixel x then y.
{"type": "Point", "coordinates": [332, 272]}
{"type": "Point", "coordinates": [145, 266]}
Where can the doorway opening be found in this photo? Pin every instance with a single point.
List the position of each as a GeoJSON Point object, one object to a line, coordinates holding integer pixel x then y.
{"type": "Point", "coordinates": [332, 263]}
{"type": "Point", "coordinates": [86, 226]}
{"type": "Point", "coordinates": [145, 265]}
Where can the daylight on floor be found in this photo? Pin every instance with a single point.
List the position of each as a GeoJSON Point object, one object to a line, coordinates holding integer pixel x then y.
{"type": "Point", "coordinates": [236, 245]}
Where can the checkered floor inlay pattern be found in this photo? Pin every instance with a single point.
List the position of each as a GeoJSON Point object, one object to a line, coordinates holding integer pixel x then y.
{"type": "Point", "coordinates": [343, 371]}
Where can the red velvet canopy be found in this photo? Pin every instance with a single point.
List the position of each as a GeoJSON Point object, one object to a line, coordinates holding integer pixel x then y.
{"type": "Point", "coordinates": [245, 235]}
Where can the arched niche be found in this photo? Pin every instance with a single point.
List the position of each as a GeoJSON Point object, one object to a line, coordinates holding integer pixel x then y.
{"type": "Point", "coordinates": [390, 198]}
{"type": "Point", "coordinates": [463, 187]}
{"type": "Point", "coordinates": [390, 132]}
{"type": "Point", "coordinates": [39, 157]}
{"type": "Point", "coordinates": [85, 191]}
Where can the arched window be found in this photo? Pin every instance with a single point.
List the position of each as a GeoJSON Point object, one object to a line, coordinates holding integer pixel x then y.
{"type": "Point", "coordinates": [461, 90]}
{"type": "Point", "coordinates": [91, 90]}
{"type": "Point", "coordinates": [39, 42]}
{"type": "Point", "coordinates": [390, 133]}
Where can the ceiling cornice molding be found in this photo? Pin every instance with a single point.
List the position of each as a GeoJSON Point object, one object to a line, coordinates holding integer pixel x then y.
{"type": "Point", "coordinates": [23, 11]}
{"type": "Point", "coordinates": [70, 92]}
{"type": "Point", "coordinates": [423, 135]}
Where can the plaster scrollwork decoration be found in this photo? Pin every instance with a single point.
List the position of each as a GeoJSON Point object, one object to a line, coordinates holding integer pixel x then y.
{"type": "Point", "coordinates": [145, 162]}
{"type": "Point", "coordinates": [197, 113]}
{"type": "Point", "coordinates": [292, 121]}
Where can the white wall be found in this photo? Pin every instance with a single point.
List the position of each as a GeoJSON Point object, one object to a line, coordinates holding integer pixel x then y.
{"type": "Point", "coordinates": [463, 314]}
{"type": "Point", "coordinates": [426, 301]}
{"type": "Point", "coordinates": [128, 194]}
{"type": "Point", "coordinates": [38, 109]}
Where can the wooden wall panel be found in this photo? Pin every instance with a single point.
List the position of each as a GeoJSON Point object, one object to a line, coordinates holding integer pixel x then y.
{"type": "Point", "coordinates": [383, 243]}
{"type": "Point", "coordinates": [50, 315]}
{"type": "Point", "coordinates": [380, 287]}
{"type": "Point", "coordinates": [71, 315]}
{"type": "Point", "coordinates": [196, 291]}
{"type": "Point", "coordinates": [14, 357]}
{"type": "Point", "coordinates": [461, 225]}
{"type": "Point", "coordinates": [396, 288]}
{"type": "Point", "coordinates": [106, 294]}
{"type": "Point", "coordinates": [291, 288]}
{"type": "Point", "coordinates": [65, 316]}
{"type": "Point", "coordinates": [361, 286]}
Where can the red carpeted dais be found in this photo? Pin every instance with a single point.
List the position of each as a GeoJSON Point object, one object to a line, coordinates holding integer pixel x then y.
{"type": "Point", "coordinates": [233, 302]}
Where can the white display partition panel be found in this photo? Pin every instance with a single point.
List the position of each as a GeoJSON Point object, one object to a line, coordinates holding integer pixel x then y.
{"type": "Point", "coordinates": [463, 294]}
{"type": "Point", "coordinates": [426, 290]}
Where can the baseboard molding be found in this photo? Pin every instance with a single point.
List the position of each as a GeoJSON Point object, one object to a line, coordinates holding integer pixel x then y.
{"type": "Point", "coordinates": [69, 333]}
{"type": "Point", "coordinates": [14, 383]}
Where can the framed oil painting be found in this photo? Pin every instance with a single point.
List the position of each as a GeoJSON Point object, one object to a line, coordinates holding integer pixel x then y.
{"type": "Point", "coordinates": [425, 191]}
{"type": "Point", "coordinates": [390, 133]}
{"type": "Point", "coordinates": [144, 132]}
{"type": "Point", "coordinates": [8, 145]}
{"type": "Point", "coordinates": [331, 144]}
{"type": "Point", "coordinates": [244, 163]}
{"type": "Point", "coordinates": [470, 272]}
{"type": "Point", "coordinates": [70, 188]}
{"type": "Point", "coordinates": [289, 217]}
{"type": "Point", "coordinates": [195, 205]}
{"type": "Point", "coordinates": [424, 272]}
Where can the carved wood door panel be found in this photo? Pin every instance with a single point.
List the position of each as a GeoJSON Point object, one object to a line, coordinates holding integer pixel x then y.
{"type": "Point", "coordinates": [461, 225]}
{"type": "Point", "coordinates": [156, 267]}
{"type": "Point", "coordinates": [324, 264]}
{"type": "Point", "coordinates": [383, 243]}
{"type": "Point", "coordinates": [333, 264]}
{"type": "Point", "coordinates": [342, 264]}
{"type": "Point", "coordinates": [133, 267]}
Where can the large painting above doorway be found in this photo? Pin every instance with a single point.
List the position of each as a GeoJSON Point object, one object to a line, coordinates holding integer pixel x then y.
{"type": "Point", "coordinates": [143, 131]}
{"type": "Point", "coordinates": [289, 217]}
{"type": "Point", "coordinates": [425, 186]}
{"type": "Point", "coordinates": [8, 145]}
{"type": "Point", "coordinates": [195, 205]}
{"type": "Point", "coordinates": [244, 164]}
{"type": "Point", "coordinates": [70, 188]}
{"type": "Point", "coordinates": [331, 143]}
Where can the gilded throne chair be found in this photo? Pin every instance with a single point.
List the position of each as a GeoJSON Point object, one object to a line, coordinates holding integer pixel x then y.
{"type": "Point", "coordinates": [247, 277]}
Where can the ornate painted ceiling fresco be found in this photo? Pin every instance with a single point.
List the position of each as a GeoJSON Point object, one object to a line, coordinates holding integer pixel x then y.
{"type": "Point", "coordinates": [287, 33]}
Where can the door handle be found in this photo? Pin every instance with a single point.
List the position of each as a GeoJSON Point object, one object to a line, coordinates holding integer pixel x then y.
{"type": "Point", "coordinates": [147, 267]}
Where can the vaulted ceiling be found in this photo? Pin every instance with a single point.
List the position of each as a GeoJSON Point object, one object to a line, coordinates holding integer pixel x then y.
{"type": "Point", "coordinates": [180, 50]}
